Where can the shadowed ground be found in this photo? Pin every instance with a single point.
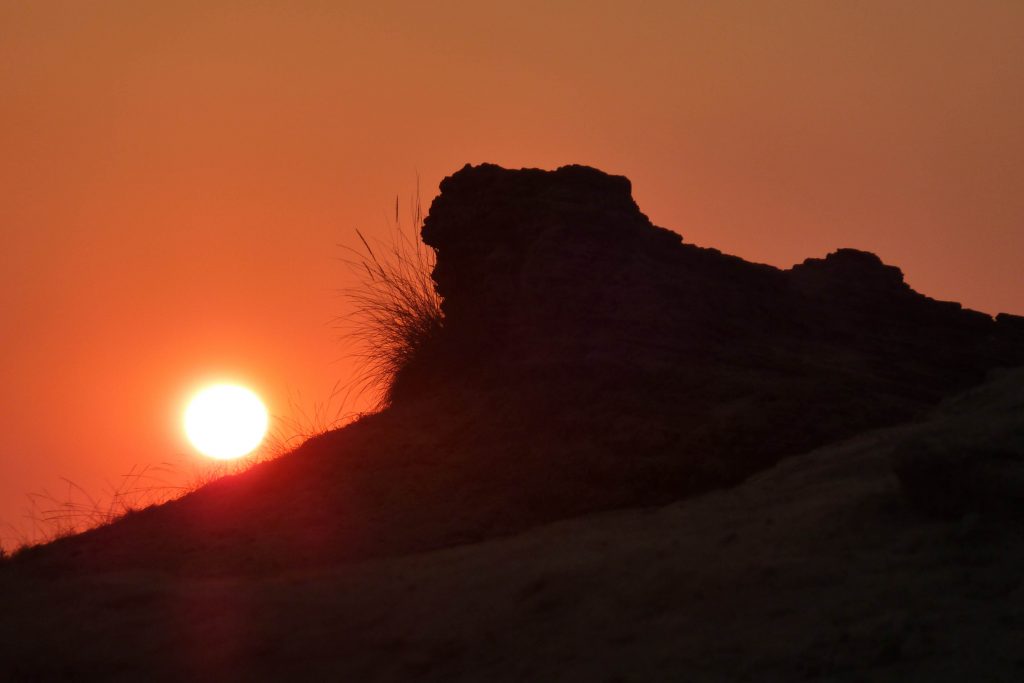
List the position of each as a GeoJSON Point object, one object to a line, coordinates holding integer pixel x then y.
{"type": "Point", "coordinates": [816, 569]}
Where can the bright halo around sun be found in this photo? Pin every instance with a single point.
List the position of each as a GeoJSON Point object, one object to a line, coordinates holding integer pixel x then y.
{"type": "Point", "coordinates": [225, 421]}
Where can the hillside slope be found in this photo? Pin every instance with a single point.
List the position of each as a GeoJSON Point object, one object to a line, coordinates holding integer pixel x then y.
{"type": "Point", "coordinates": [816, 569]}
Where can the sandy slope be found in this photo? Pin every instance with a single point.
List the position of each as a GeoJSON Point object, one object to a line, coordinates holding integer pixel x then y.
{"type": "Point", "coordinates": [816, 569]}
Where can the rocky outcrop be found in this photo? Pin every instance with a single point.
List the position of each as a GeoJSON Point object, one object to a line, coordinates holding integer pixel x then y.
{"type": "Point", "coordinates": [950, 482]}
{"type": "Point", "coordinates": [850, 273]}
{"type": "Point", "coordinates": [556, 285]}
{"type": "Point", "coordinates": [526, 257]}
{"type": "Point", "coordinates": [969, 459]}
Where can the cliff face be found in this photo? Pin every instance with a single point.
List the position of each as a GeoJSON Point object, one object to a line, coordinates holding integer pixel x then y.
{"type": "Point", "coordinates": [588, 360]}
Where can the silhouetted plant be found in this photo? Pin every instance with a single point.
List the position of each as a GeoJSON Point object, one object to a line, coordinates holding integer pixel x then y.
{"type": "Point", "coordinates": [303, 421]}
{"type": "Point", "coordinates": [395, 310]}
{"type": "Point", "coordinates": [52, 517]}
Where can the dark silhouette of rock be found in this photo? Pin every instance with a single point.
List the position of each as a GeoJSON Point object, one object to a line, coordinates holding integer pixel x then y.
{"type": "Point", "coordinates": [951, 482]}
{"type": "Point", "coordinates": [589, 360]}
{"type": "Point", "coordinates": [971, 461]}
{"type": "Point", "coordinates": [557, 286]}
{"type": "Point", "coordinates": [1008, 321]}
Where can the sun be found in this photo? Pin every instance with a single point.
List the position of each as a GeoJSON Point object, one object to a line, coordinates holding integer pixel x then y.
{"type": "Point", "coordinates": [225, 421]}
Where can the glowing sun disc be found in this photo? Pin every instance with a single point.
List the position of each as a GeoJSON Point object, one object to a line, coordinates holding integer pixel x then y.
{"type": "Point", "coordinates": [225, 421]}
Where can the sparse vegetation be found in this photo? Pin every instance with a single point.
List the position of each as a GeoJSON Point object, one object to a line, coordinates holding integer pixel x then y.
{"type": "Point", "coordinates": [395, 310]}
{"type": "Point", "coordinates": [50, 516]}
{"type": "Point", "coordinates": [302, 422]}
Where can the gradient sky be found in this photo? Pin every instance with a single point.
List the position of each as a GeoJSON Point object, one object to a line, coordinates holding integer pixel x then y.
{"type": "Point", "coordinates": [175, 177]}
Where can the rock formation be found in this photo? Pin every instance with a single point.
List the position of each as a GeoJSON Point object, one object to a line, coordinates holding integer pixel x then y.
{"type": "Point", "coordinates": [557, 287]}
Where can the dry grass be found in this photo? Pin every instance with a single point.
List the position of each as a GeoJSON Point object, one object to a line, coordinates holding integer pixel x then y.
{"type": "Point", "coordinates": [51, 516]}
{"type": "Point", "coordinates": [395, 310]}
{"type": "Point", "coordinates": [73, 509]}
{"type": "Point", "coordinates": [302, 421]}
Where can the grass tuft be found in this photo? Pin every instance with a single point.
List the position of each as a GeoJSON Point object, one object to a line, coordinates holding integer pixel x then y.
{"type": "Point", "coordinates": [395, 310]}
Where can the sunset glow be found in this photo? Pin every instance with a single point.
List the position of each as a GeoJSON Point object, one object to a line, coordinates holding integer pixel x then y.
{"type": "Point", "coordinates": [198, 171]}
{"type": "Point", "coordinates": [225, 421]}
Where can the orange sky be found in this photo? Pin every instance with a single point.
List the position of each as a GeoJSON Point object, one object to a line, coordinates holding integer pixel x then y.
{"type": "Point", "coordinates": [175, 177]}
